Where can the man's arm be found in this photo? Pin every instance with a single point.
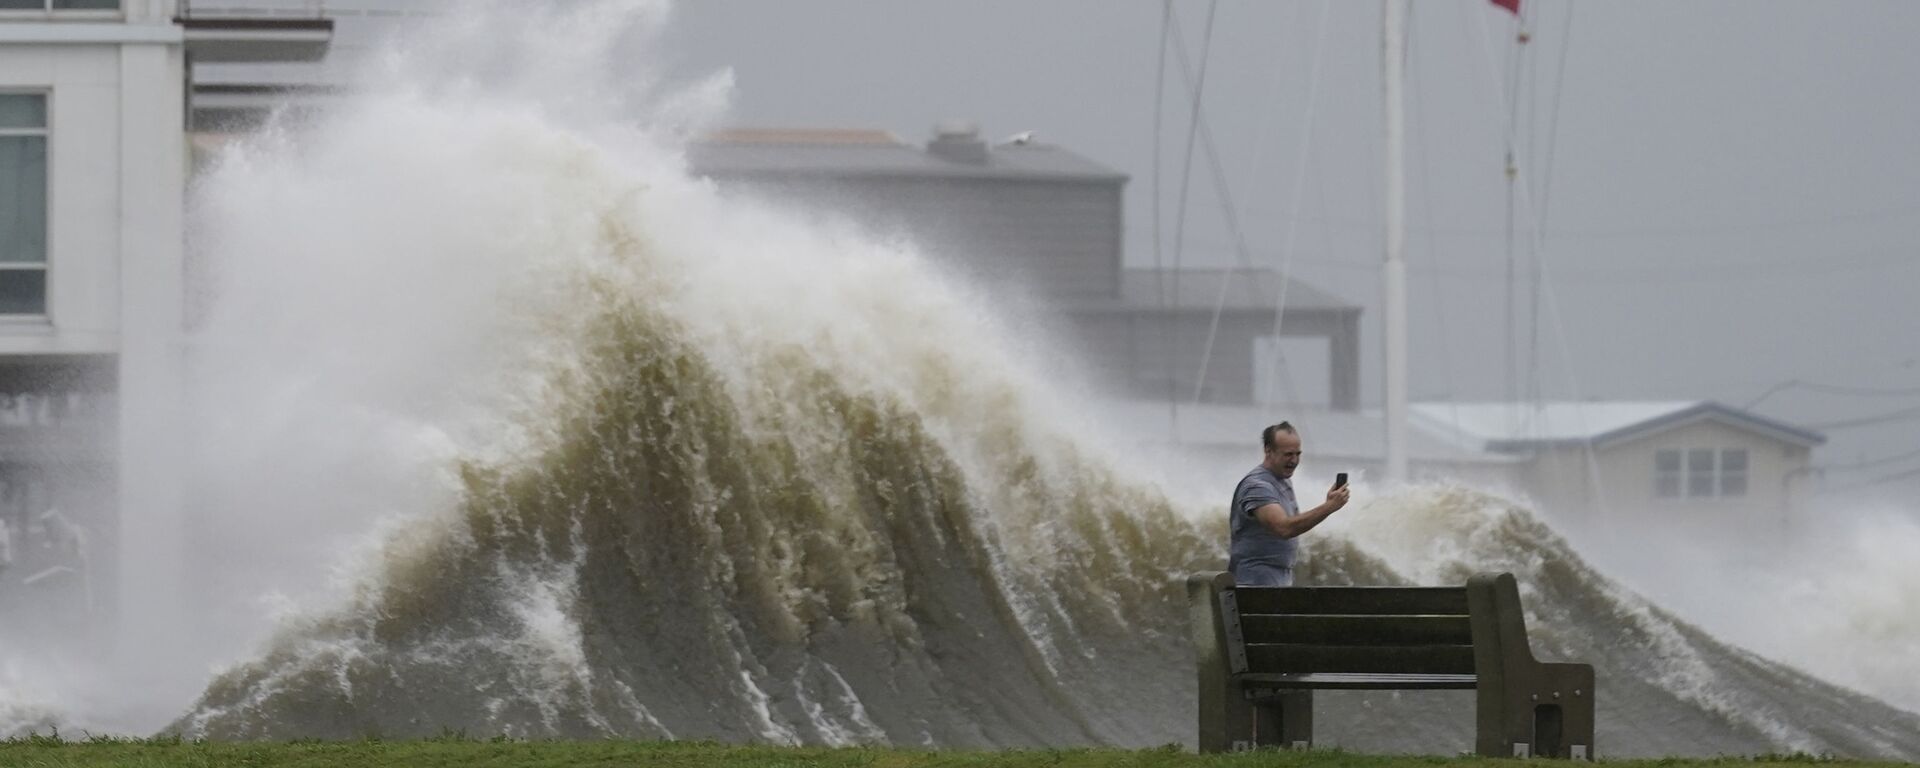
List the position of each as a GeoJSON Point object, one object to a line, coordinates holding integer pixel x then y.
{"type": "Point", "coordinates": [1275, 518]}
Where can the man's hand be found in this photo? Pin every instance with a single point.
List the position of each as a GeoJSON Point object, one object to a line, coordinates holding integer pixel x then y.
{"type": "Point", "coordinates": [1337, 498]}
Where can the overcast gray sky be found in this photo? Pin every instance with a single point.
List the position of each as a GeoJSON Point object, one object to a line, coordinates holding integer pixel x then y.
{"type": "Point", "coordinates": [1734, 197]}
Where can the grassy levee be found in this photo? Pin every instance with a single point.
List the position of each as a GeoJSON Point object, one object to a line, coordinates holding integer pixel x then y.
{"type": "Point", "coordinates": [46, 752]}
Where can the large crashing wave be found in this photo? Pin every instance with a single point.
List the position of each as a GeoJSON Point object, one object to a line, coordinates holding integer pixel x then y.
{"type": "Point", "coordinates": [739, 475]}
{"type": "Point", "coordinates": [788, 561]}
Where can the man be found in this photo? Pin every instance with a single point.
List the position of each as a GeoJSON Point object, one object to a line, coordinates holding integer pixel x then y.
{"type": "Point", "coordinates": [1266, 519]}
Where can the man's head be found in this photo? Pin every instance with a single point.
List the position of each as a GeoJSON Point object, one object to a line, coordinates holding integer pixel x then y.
{"type": "Point", "coordinates": [1282, 445]}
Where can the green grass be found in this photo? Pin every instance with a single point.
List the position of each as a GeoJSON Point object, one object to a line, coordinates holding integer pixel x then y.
{"type": "Point", "coordinates": [458, 752]}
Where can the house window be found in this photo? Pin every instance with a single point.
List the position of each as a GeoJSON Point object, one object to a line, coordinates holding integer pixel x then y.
{"type": "Point", "coordinates": [1699, 473]}
{"type": "Point", "coordinates": [1733, 472]}
{"type": "Point", "coordinates": [1667, 475]}
{"type": "Point", "coordinates": [23, 203]}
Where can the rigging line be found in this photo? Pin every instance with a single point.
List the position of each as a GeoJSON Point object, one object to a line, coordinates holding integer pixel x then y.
{"type": "Point", "coordinates": [1546, 191]}
{"type": "Point", "coordinates": [1531, 382]}
{"type": "Point", "coordinates": [1525, 105]}
{"type": "Point", "coordinates": [1159, 274]}
{"type": "Point", "coordinates": [1278, 366]}
{"type": "Point", "coordinates": [1513, 58]}
{"type": "Point", "coordinates": [1553, 120]}
{"type": "Point", "coordinates": [1433, 248]}
{"type": "Point", "coordinates": [1530, 75]}
{"type": "Point", "coordinates": [1186, 178]}
{"type": "Point", "coordinates": [1553, 309]}
{"type": "Point", "coordinates": [1506, 333]}
{"type": "Point", "coordinates": [1229, 210]}
{"type": "Point", "coordinates": [1244, 257]}
{"type": "Point", "coordinates": [1277, 363]}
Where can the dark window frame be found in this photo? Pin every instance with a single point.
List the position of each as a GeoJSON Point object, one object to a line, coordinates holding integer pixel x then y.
{"type": "Point", "coordinates": [40, 269]}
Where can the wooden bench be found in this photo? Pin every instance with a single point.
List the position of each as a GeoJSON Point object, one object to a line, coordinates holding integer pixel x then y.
{"type": "Point", "coordinates": [1262, 651]}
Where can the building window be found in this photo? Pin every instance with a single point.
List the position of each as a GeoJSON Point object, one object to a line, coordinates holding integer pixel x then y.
{"type": "Point", "coordinates": [1699, 473]}
{"type": "Point", "coordinates": [45, 6]}
{"type": "Point", "coordinates": [1667, 475]}
{"type": "Point", "coordinates": [23, 203]}
{"type": "Point", "coordinates": [1733, 472]}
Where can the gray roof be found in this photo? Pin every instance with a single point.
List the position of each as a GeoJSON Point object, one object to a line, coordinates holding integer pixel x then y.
{"type": "Point", "coordinates": [1201, 290]}
{"type": "Point", "coordinates": [841, 154]}
{"type": "Point", "coordinates": [1517, 426]}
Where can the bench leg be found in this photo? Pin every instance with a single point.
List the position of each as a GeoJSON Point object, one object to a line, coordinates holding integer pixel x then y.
{"type": "Point", "coordinates": [1574, 683]}
{"type": "Point", "coordinates": [1226, 718]}
{"type": "Point", "coordinates": [1550, 715]}
{"type": "Point", "coordinates": [1284, 720]}
{"type": "Point", "coordinates": [1280, 721]}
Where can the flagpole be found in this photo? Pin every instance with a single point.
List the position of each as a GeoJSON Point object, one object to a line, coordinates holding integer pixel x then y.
{"type": "Point", "coordinates": [1394, 271]}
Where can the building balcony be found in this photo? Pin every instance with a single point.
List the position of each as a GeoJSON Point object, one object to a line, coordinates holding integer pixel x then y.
{"type": "Point", "coordinates": [224, 35]}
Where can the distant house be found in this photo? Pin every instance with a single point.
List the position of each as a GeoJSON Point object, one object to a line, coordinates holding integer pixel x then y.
{"type": "Point", "coordinates": [1676, 460]}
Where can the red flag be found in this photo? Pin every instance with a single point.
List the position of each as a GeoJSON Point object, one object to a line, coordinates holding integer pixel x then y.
{"type": "Point", "coordinates": [1512, 6]}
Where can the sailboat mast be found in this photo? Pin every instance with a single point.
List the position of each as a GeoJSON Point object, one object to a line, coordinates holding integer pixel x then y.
{"type": "Point", "coordinates": [1394, 272]}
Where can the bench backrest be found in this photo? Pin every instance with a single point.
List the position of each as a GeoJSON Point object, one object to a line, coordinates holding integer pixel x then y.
{"type": "Point", "coordinates": [1386, 630]}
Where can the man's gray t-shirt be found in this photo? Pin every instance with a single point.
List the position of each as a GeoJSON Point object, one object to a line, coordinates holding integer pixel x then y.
{"type": "Point", "coordinates": [1252, 541]}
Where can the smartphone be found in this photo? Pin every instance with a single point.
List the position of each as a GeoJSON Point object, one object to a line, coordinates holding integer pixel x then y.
{"type": "Point", "coordinates": [1340, 481]}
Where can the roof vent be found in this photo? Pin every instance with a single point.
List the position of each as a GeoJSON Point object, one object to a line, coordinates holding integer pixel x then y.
{"type": "Point", "coordinates": [958, 141]}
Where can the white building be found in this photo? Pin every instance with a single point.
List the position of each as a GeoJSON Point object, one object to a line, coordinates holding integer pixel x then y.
{"type": "Point", "coordinates": [93, 161]}
{"type": "Point", "coordinates": [1678, 463]}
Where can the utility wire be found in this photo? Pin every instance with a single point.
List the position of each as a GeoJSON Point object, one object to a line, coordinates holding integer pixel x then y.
{"type": "Point", "coordinates": [1880, 462]}
{"type": "Point", "coordinates": [1882, 480]}
{"type": "Point", "coordinates": [1892, 417]}
{"type": "Point", "coordinates": [1832, 389]}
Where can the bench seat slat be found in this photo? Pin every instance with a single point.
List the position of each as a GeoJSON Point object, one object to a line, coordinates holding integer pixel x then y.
{"type": "Point", "coordinates": [1255, 681]}
{"type": "Point", "coordinates": [1424, 659]}
{"type": "Point", "coordinates": [1322, 629]}
{"type": "Point", "coordinates": [1353, 600]}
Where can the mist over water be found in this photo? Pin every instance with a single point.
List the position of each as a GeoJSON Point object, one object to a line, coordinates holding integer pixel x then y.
{"type": "Point", "coordinates": [1835, 592]}
{"type": "Point", "coordinates": [507, 424]}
